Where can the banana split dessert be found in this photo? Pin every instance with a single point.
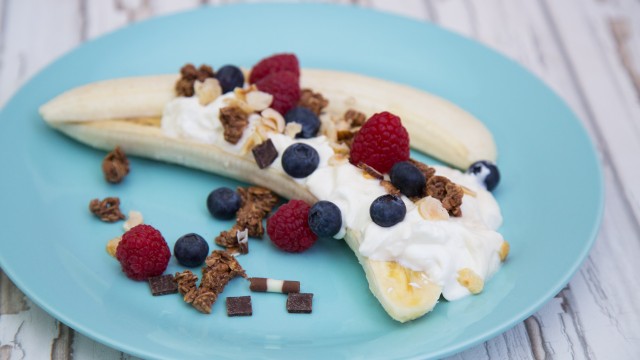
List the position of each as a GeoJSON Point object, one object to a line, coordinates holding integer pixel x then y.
{"type": "Point", "coordinates": [338, 145]}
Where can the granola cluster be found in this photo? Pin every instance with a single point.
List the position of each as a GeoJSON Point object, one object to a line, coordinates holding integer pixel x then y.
{"type": "Point", "coordinates": [108, 209]}
{"type": "Point", "coordinates": [313, 101]}
{"type": "Point", "coordinates": [234, 120]}
{"type": "Point", "coordinates": [257, 202]}
{"type": "Point", "coordinates": [188, 76]}
{"type": "Point", "coordinates": [221, 267]}
{"type": "Point", "coordinates": [115, 166]}
{"type": "Point", "coordinates": [449, 193]}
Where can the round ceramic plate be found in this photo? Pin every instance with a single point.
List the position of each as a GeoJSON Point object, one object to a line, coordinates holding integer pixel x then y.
{"type": "Point", "coordinates": [54, 249]}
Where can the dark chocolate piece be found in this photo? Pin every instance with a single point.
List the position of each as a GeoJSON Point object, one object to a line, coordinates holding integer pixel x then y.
{"type": "Point", "coordinates": [239, 306]}
{"type": "Point", "coordinates": [265, 153]}
{"type": "Point", "coordinates": [163, 285]}
{"type": "Point", "coordinates": [299, 303]}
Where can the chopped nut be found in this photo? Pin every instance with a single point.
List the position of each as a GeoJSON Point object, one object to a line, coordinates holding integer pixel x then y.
{"type": "Point", "coordinates": [241, 104]}
{"type": "Point", "coordinates": [292, 129]}
{"type": "Point", "coordinates": [345, 136]}
{"type": "Point", "coordinates": [312, 101]}
{"type": "Point", "coordinates": [115, 166]}
{"type": "Point", "coordinates": [207, 91]}
{"type": "Point", "coordinates": [432, 209]}
{"type": "Point", "coordinates": [338, 159]}
{"type": "Point", "coordinates": [340, 149]}
{"type": "Point", "coordinates": [259, 100]}
{"type": "Point", "coordinates": [354, 118]}
{"type": "Point", "coordinates": [189, 74]}
{"type": "Point", "coordinates": [241, 92]}
{"type": "Point", "coordinates": [252, 141]}
{"type": "Point", "coordinates": [328, 128]}
{"type": "Point", "coordinates": [472, 281]}
{"type": "Point", "coordinates": [108, 210]}
{"type": "Point", "coordinates": [135, 219]}
{"type": "Point", "coordinates": [504, 250]}
{"type": "Point", "coordinates": [389, 188]}
{"type": "Point", "coordinates": [468, 191]}
{"type": "Point", "coordinates": [447, 192]}
{"type": "Point", "coordinates": [234, 121]}
{"type": "Point", "coordinates": [112, 245]}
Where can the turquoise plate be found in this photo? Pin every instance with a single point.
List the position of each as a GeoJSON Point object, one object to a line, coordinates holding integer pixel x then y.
{"type": "Point", "coordinates": [54, 249]}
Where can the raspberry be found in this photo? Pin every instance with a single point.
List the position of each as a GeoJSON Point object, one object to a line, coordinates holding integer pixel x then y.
{"type": "Point", "coordinates": [143, 253]}
{"type": "Point", "coordinates": [381, 142]}
{"type": "Point", "coordinates": [285, 88]}
{"type": "Point", "coordinates": [289, 229]}
{"type": "Point", "coordinates": [274, 64]}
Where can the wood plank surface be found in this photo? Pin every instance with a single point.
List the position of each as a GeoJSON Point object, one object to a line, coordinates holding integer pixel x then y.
{"type": "Point", "coordinates": [588, 51]}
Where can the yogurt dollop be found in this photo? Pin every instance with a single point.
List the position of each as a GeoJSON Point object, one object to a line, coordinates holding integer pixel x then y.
{"type": "Point", "coordinates": [440, 248]}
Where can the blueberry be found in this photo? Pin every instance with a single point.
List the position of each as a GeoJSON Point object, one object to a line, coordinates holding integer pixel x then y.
{"type": "Point", "coordinates": [325, 219]}
{"type": "Point", "coordinates": [408, 178]}
{"type": "Point", "coordinates": [305, 117]}
{"type": "Point", "coordinates": [487, 172]}
{"type": "Point", "coordinates": [387, 210]}
{"type": "Point", "coordinates": [300, 160]}
{"type": "Point", "coordinates": [223, 203]}
{"type": "Point", "coordinates": [230, 77]}
{"type": "Point", "coordinates": [191, 250]}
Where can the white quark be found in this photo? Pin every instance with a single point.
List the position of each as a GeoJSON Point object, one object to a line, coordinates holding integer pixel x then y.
{"type": "Point", "coordinates": [184, 117]}
{"type": "Point", "coordinates": [440, 248]}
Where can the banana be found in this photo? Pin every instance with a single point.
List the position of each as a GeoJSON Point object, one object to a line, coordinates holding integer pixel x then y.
{"type": "Point", "coordinates": [125, 112]}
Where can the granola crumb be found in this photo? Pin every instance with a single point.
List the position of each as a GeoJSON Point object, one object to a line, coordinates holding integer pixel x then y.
{"type": "Point", "coordinates": [472, 281]}
{"type": "Point", "coordinates": [221, 267]}
{"type": "Point", "coordinates": [115, 166]}
{"type": "Point", "coordinates": [447, 192]}
{"type": "Point", "coordinates": [234, 121]}
{"type": "Point", "coordinates": [186, 281]}
{"type": "Point", "coordinates": [107, 210]}
{"type": "Point", "coordinates": [312, 101]}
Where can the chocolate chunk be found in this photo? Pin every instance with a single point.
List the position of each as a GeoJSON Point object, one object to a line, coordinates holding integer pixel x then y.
{"type": "Point", "coordinates": [265, 153]}
{"type": "Point", "coordinates": [239, 306]}
{"type": "Point", "coordinates": [163, 285]}
{"type": "Point", "coordinates": [299, 303]}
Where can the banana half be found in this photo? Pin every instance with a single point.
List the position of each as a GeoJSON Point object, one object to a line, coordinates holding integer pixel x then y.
{"type": "Point", "coordinates": [126, 113]}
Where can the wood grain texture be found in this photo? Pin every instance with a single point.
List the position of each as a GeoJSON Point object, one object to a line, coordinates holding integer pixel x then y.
{"type": "Point", "coordinates": [588, 51]}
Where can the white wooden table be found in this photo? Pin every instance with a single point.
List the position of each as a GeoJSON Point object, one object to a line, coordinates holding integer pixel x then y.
{"type": "Point", "coordinates": [588, 51]}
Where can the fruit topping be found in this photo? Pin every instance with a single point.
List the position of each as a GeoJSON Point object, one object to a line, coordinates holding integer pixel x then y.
{"type": "Point", "coordinates": [387, 210]}
{"type": "Point", "coordinates": [273, 64]}
{"type": "Point", "coordinates": [381, 142]}
{"type": "Point", "coordinates": [486, 172]}
{"type": "Point", "coordinates": [300, 160]}
{"type": "Point", "coordinates": [289, 229]}
{"type": "Point", "coordinates": [143, 253]}
{"type": "Point", "coordinates": [230, 77]}
{"type": "Point", "coordinates": [408, 179]}
{"type": "Point", "coordinates": [223, 203]}
{"type": "Point", "coordinates": [325, 219]}
{"type": "Point", "coordinates": [285, 88]}
{"type": "Point", "coordinates": [306, 118]}
{"type": "Point", "coordinates": [191, 250]}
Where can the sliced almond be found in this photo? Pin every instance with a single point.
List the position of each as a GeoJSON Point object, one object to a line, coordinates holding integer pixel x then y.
{"type": "Point", "coordinates": [112, 245]}
{"type": "Point", "coordinates": [271, 116]}
{"type": "Point", "coordinates": [431, 208]}
{"type": "Point", "coordinates": [504, 250]}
